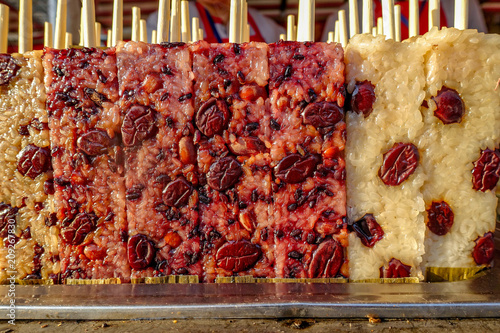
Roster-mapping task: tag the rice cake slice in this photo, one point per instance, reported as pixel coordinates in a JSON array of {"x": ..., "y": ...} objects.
[
  {"x": 84, "y": 121},
  {"x": 307, "y": 128},
  {"x": 389, "y": 242},
  {"x": 462, "y": 70},
  {"x": 26, "y": 193},
  {"x": 156, "y": 99}
]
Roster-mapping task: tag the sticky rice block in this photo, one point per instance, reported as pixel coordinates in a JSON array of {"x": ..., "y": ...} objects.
[
  {"x": 307, "y": 128},
  {"x": 469, "y": 63},
  {"x": 156, "y": 101},
  {"x": 84, "y": 121},
  {"x": 25, "y": 180},
  {"x": 396, "y": 71},
  {"x": 236, "y": 230}
]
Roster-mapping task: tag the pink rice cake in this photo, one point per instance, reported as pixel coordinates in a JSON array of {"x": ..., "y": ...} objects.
[
  {"x": 84, "y": 122},
  {"x": 235, "y": 203},
  {"x": 231, "y": 94},
  {"x": 156, "y": 91},
  {"x": 306, "y": 92}
]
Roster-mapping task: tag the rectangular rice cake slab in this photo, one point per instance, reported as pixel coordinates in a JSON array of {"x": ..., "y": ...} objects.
[
  {"x": 385, "y": 206},
  {"x": 460, "y": 151},
  {"x": 306, "y": 96},
  {"x": 26, "y": 198},
  {"x": 232, "y": 122},
  {"x": 84, "y": 122},
  {"x": 156, "y": 101}
]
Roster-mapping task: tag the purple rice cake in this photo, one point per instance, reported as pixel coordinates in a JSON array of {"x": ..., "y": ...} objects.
[{"x": 84, "y": 121}]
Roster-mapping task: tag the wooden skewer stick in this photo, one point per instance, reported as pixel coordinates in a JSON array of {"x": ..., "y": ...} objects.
[
  {"x": 68, "y": 41},
  {"x": 282, "y": 36},
  {"x": 374, "y": 31},
  {"x": 380, "y": 26},
  {"x": 109, "y": 40},
  {"x": 306, "y": 21},
  {"x": 25, "y": 26},
  {"x": 290, "y": 28},
  {"x": 163, "y": 26},
  {"x": 98, "y": 34},
  {"x": 47, "y": 35},
  {"x": 234, "y": 14},
  {"x": 331, "y": 37},
  {"x": 336, "y": 37},
  {"x": 60, "y": 33},
  {"x": 388, "y": 18},
  {"x": 175, "y": 22},
  {"x": 195, "y": 29},
  {"x": 89, "y": 23},
  {"x": 201, "y": 34},
  {"x": 397, "y": 23},
  {"x": 185, "y": 22},
  {"x": 461, "y": 14},
  {"x": 342, "y": 28},
  {"x": 353, "y": 18},
  {"x": 244, "y": 21},
  {"x": 154, "y": 37},
  {"x": 433, "y": 13},
  {"x": 82, "y": 19},
  {"x": 117, "y": 26},
  {"x": 367, "y": 16},
  {"x": 136, "y": 24},
  {"x": 413, "y": 23},
  {"x": 4, "y": 28},
  {"x": 143, "y": 31},
  {"x": 247, "y": 33}
]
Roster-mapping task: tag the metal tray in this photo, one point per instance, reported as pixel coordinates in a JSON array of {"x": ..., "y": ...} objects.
[{"x": 479, "y": 298}]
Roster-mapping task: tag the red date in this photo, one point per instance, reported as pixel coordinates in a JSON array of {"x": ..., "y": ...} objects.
[
  {"x": 33, "y": 161},
  {"x": 177, "y": 193},
  {"x": 212, "y": 117},
  {"x": 78, "y": 229},
  {"x": 486, "y": 171},
  {"x": 323, "y": 114},
  {"x": 141, "y": 251},
  {"x": 368, "y": 230},
  {"x": 224, "y": 173},
  {"x": 363, "y": 98},
  {"x": 440, "y": 218},
  {"x": 395, "y": 269},
  {"x": 399, "y": 163},
  {"x": 295, "y": 168},
  {"x": 139, "y": 124},
  {"x": 8, "y": 69},
  {"x": 449, "y": 106},
  {"x": 94, "y": 143},
  {"x": 326, "y": 260},
  {"x": 237, "y": 256},
  {"x": 484, "y": 249}
]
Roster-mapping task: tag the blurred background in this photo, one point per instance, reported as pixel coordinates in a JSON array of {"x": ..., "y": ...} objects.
[{"x": 45, "y": 10}]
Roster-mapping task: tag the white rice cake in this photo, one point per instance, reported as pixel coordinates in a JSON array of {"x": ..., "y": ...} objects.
[
  {"x": 469, "y": 63},
  {"x": 397, "y": 73}
]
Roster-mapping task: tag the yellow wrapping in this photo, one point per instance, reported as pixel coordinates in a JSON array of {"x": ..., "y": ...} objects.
[{"x": 452, "y": 274}]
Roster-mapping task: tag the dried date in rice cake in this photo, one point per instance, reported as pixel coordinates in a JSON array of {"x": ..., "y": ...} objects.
[
  {"x": 384, "y": 177},
  {"x": 235, "y": 209},
  {"x": 230, "y": 94},
  {"x": 84, "y": 121},
  {"x": 25, "y": 172},
  {"x": 460, "y": 149}
]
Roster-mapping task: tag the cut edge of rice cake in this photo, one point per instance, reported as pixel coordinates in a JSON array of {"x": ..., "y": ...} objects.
[
  {"x": 467, "y": 62},
  {"x": 396, "y": 72}
]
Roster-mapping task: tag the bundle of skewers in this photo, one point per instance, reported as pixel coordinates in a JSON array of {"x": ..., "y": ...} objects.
[{"x": 180, "y": 161}]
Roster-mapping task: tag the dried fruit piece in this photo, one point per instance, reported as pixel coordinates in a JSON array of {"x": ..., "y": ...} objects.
[
  {"x": 486, "y": 171},
  {"x": 8, "y": 69},
  {"x": 138, "y": 125},
  {"x": 323, "y": 114},
  {"x": 94, "y": 143},
  {"x": 75, "y": 232},
  {"x": 237, "y": 256},
  {"x": 173, "y": 239},
  {"x": 7, "y": 216},
  {"x": 187, "y": 151},
  {"x": 363, "y": 98},
  {"x": 326, "y": 260},
  {"x": 95, "y": 96},
  {"x": 295, "y": 168},
  {"x": 224, "y": 173},
  {"x": 141, "y": 251},
  {"x": 212, "y": 117},
  {"x": 395, "y": 269},
  {"x": 449, "y": 106},
  {"x": 440, "y": 218},
  {"x": 484, "y": 249},
  {"x": 33, "y": 161},
  {"x": 177, "y": 193},
  {"x": 247, "y": 146},
  {"x": 94, "y": 252},
  {"x": 368, "y": 230},
  {"x": 399, "y": 163}
]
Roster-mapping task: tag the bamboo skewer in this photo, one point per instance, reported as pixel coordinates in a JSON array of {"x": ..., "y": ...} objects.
[
  {"x": 109, "y": 40},
  {"x": 47, "y": 35},
  {"x": 413, "y": 23},
  {"x": 353, "y": 18},
  {"x": 375, "y": 31},
  {"x": 25, "y": 26},
  {"x": 136, "y": 24},
  {"x": 397, "y": 23},
  {"x": 380, "y": 26},
  {"x": 97, "y": 34},
  {"x": 331, "y": 37},
  {"x": 388, "y": 18},
  {"x": 461, "y": 14},
  {"x": 154, "y": 37},
  {"x": 163, "y": 26},
  {"x": 336, "y": 37},
  {"x": 143, "y": 31},
  {"x": 4, "y": 28},
  {"x": 82, "y": 19},
  {"x": 306, "y": 19},
  {"x": 185, "y": 22},
  {"x": 89, "y": 23},
  {"x": 195, "y": 29},
  {"x": 60, "y": 28},
  {"x": 342, "y": 28},
  {"x": 367, "y": 16},
  {"x": 68, "y": 41},
  {"x": 282, "y": 37},
  {"x": 434, "y": 14},
  {"x": 201, "y": 34},
  {"x": 175, "y": 22},
  {"x": 245, "y": 34},
  {"x": 117, "y": 26},
  {"x": 290, "y": 28},
  {"x": 234, "y": 26}
]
